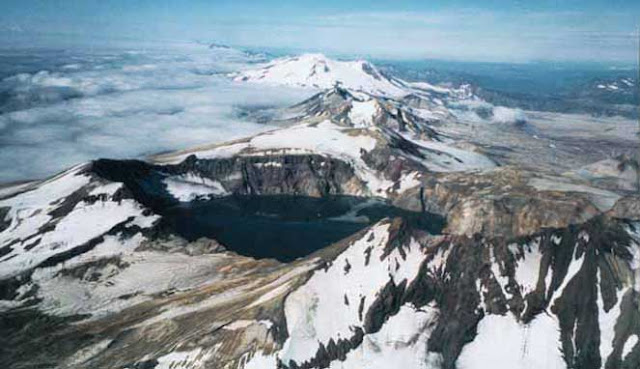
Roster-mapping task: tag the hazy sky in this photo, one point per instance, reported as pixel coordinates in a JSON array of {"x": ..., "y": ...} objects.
[{"x": 492, "y": 30}]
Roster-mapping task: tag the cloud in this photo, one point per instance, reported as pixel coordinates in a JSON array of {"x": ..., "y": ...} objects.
[
  {"x": 502, "y": 114},
  {"x": 123, "y": 105},
  {"x": 463, "y": 34},
  {"x": 487, "y": 31},
  {"x": 478, "y": 111}
]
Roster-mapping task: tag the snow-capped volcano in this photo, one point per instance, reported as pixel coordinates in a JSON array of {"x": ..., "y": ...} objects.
[
  {"x": 316, "y": 70},
  {"x": 363, "y": 81},
  {"x": 93, "y": 266},
  {"x": 366, "y": 231}
]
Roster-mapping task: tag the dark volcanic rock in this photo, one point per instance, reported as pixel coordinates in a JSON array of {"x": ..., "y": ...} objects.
[
  {"x": 306, "y": 175},
  {"x": 4, "y": 223}
]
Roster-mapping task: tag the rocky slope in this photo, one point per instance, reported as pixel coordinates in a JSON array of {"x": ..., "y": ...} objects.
[{"x": 364, "y": 234}]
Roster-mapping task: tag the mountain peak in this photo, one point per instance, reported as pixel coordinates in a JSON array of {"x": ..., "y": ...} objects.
[{"x": 319, "y": 71}]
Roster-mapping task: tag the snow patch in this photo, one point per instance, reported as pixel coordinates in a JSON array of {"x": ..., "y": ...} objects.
[
  {"x": 85, "y": 222},
  {"x": 442, "y": 157},
  {"x": 504, "y": 343},
  {"x": 528, "y": 268},
  {"x": 189, "y": 187},
  {"x": 194, "y": 359},
  {"x": 607, "y": 321},
  {"x": 632, "y": 341},
  {"x": 310, "y": 310},
  {"x": 362, "y": 113},
  {"x": 401, "y": 343},
  {"x": 574, "y": 267}
]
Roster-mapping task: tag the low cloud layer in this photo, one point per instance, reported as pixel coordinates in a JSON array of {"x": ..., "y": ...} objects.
[{"x": 122, "y": 104}]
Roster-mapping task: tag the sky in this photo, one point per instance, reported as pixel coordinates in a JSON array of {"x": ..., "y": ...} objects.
[{"x": 492, "y": 30}]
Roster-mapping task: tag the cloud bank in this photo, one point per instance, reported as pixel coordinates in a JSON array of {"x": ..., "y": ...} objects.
[{"x": 123, "y": 104}]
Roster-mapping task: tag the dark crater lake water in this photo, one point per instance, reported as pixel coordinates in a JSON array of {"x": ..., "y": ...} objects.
[{"x": 282, "y": 227}]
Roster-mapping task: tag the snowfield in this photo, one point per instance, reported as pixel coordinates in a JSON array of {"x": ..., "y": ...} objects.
[
  {"x": 190, "y": 187},
  {"x": 90, "y": 261},
  {"x": 318, "y": 71},
  {"x": 30, "y": 212},
  {"x": 504, "y": 343},
  {"x": 310, "y": 310}
]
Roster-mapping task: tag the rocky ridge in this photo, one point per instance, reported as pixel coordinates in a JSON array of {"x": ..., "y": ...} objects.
[{"x": 472, "y": 264}]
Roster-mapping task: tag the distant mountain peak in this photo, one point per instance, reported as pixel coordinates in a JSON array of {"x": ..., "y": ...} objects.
[{"x": 319, "y": 71}]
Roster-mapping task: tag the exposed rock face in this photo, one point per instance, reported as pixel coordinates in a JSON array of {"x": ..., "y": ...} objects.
[
  {"x": 498, "y": 202},
  {"x": 436, "y": 295},
  {"x": 527, "y": 270},
  {"x": 357, "y": 109},
  {"x": 3, "y": 223},
  {"x": 309, "y": 175},
  {"x": 569, "y": 277}
]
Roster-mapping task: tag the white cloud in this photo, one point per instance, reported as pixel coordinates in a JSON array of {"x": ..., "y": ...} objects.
[
  {"x": 124, "y": 105},
  {"x": 502, "y": 114},
  {"x": 523, "y": 31},
  {"x": 463, "y": 34}
]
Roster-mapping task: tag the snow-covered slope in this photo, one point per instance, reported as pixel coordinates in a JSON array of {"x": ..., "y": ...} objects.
[
  {"x": 445, "y": 303},
  {"x": 449, "y": 261},
  {"x": 361, "y": 82},
  {"x": 50, "y": 221},
  {"x": 384, "y": 162},
  {"x": 413, "y": 114},
  {"x": 318, "y": 71},
  {"x": 96, "y": 262}
]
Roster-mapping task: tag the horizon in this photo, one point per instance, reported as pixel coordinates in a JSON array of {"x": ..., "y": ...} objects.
[
  {"x": 130, "y": 46},
  {"x": 499, "y": 31}
]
